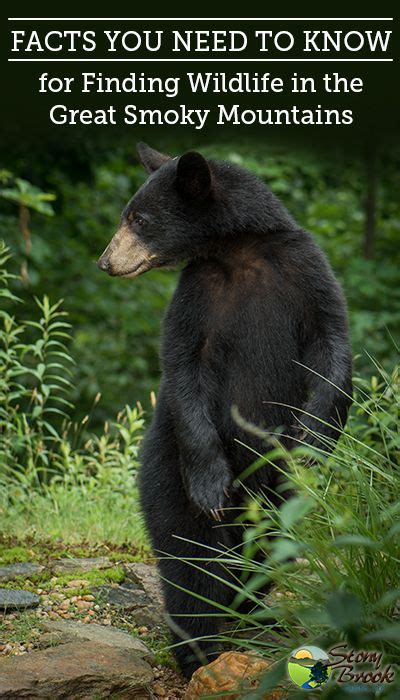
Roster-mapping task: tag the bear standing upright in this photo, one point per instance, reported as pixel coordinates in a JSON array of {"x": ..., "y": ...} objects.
[{"x": 257, "y": 321}]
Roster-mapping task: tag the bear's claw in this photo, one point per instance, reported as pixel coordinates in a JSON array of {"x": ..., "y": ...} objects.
[{"x": 215, "y": 512}]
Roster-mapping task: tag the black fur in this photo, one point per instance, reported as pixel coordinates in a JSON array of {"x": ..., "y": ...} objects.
[{"x": 256, "y": 302}]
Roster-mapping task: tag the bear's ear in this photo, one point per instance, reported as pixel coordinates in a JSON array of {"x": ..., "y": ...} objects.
[
  {"x": 193, "y": 176},
  {"x": 151, "y": 159}
]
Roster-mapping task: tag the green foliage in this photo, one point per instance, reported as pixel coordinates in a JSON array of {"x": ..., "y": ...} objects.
[
  {"x": 10, "y": 555},
  {"x": 51, "y": 469},
  {"x": 23, "y": 193}
]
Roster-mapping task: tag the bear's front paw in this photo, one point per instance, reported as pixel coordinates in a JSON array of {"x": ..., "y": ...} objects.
[{"x": 209, "y": 489}]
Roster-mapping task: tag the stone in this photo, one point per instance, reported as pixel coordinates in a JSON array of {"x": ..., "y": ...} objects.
[
  {"x": 19, "y": 570},
  {"x": 70, "y": 565},
  {"x": 148, "y": 616},
  {"x": 79, "y": 670},
  {"x": 232, "y": 675},
  {"x": 11, "y": 599},
  {"x": 132, "y": 600},
  {"x": 147, "y": 577},
  {"x": 78, "y": 583},
  {"x": 130, "y": 586},
  {"x": 63, "y": 631},
  {"x": 121, "y": 597}
]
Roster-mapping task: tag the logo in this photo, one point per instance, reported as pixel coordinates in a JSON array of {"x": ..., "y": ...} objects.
[
  {"x": 309, "y": 667},
  {"x": 360, "y": 666}
]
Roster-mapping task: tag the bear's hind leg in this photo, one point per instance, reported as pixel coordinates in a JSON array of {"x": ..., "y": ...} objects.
[
  {"x": 193, "y": 595},
  {"x": 175, "y": 527}
]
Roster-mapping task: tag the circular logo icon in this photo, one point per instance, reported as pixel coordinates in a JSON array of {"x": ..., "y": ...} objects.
[{"x": 309, "y": 667}]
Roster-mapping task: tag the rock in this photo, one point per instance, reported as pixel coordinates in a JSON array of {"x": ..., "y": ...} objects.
[
  {"x": 16, "y": 599},
  {"x": 78, "y": 583},
  {"x": 232, "y": 674},
  {"x": 132, "y": 600},
  {"x": 147, "y": 577},
  {"x": 121, "y": 597},
  {"x": 148, "y": 616},
  {"x": 63, "y": 631},
  {"x": 68, "y": 566},
  {"x": 21, "y": 569},
  {"x": 130, "y": 586},
  {"x": 79, "y": 670}
]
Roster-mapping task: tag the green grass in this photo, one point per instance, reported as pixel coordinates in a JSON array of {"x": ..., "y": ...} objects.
[
  {"x": 44, "y": 551},
  {"x": 72, "y": 516}
]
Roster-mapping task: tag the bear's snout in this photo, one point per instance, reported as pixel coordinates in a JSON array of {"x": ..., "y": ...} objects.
[
  {"x": 103, "y": 263},
  {"x": 126, "y": 255}
]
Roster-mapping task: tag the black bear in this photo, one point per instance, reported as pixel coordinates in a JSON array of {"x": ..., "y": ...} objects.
[{"x": 258, "y": 322}]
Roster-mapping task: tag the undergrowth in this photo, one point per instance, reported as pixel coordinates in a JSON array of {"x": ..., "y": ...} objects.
[{"x": 58, "y": 481}]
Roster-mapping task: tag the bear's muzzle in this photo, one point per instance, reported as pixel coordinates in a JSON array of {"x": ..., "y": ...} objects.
[{"x": 126, "y": 255}]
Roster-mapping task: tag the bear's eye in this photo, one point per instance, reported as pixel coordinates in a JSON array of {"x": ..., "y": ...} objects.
[{"x": 139, "y": 220}]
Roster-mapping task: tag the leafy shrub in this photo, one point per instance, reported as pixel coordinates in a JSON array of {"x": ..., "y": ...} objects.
[{"x": 44, "y": 457}]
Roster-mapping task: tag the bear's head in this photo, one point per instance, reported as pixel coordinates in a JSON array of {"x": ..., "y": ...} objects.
[{"x": 168, "y": 218}]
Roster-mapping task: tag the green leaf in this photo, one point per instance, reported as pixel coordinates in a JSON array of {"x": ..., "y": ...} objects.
[
  {"x": 37, "y": 411},
  {"x": 25, "y": 194},
  {"x": 345, "y": 611},
  {"x": 284, "y": 549},
  {"x": 391, "y": 633},
  {"x": 40, "y": 369},
  {"x": 294, "y": 510},
  {"x": 394, "y": 530}
]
